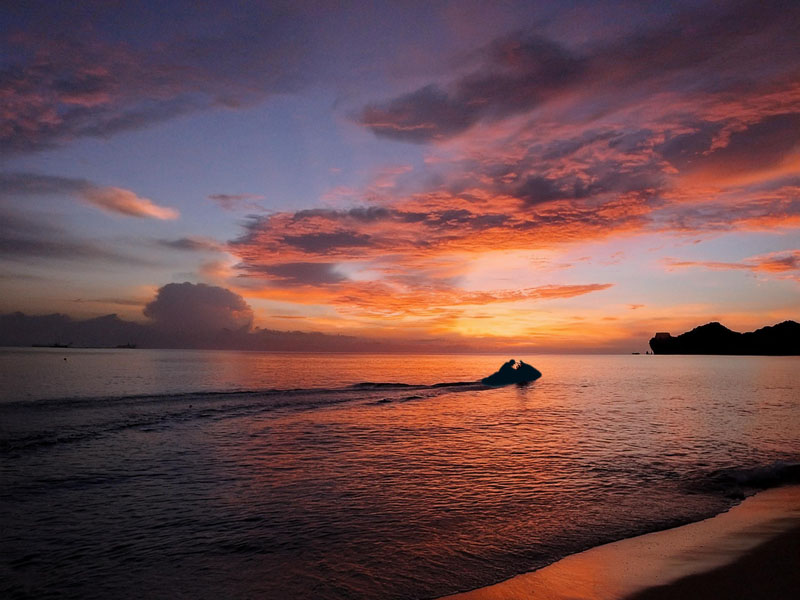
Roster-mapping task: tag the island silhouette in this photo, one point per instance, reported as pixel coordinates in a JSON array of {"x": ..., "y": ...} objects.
[{"x": 782, "y": 339}]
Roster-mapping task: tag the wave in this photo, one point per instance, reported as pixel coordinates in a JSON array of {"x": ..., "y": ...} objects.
[
  {"x": 73, "y": 420},
  {"x": 760, "y": 477},
  {"x": 75, "y": 401},
  {"x": 739, "y": 482},
  {"x": 371, "y": 385}
]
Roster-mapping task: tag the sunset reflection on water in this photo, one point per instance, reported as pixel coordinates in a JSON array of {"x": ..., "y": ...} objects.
[{"x": 334, "y": 491}]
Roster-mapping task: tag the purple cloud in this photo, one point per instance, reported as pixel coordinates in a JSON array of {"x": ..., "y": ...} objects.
[
  {"x": 60, "y": 81},
  {"x": 704, "y": 51}
]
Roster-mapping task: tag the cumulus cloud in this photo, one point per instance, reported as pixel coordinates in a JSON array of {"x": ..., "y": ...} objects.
[
  {"x": 188, "y": 307},
  {"x": 112, "y": 200}
]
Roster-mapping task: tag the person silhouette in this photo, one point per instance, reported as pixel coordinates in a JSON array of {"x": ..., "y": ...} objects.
[{"x": 512, "y": 372}]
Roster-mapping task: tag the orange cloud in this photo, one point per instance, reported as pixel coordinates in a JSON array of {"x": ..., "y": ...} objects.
[
  {"x": 669, "y": 131},
  {"x": 124, "y": 202}
]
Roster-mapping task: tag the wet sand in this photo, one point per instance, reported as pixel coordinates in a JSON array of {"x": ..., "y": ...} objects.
[
  {"x": 772, "y": 570},
  {"x": 750, "y": 551}
]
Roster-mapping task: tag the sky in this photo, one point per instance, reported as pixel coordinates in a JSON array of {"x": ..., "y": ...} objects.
[{"x": 562, "y": 176}]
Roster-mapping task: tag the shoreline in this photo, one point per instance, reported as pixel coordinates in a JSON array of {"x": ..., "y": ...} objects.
[{"x": 751, "y": 544}]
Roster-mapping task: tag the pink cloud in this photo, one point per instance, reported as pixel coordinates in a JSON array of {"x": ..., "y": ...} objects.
[
  {"x": 784, "y": 264},
  {"x": 124, "y": 202},
  {"x": 111, "y": 199}
]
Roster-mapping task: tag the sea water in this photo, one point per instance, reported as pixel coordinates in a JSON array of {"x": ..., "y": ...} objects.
[{"x": 199, "y": 474}]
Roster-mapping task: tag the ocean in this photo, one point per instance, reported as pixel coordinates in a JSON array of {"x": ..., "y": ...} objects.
[{"x": 205, "y": 474}]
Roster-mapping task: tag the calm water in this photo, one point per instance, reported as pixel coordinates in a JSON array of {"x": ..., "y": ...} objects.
[{"x": 167, "y": 474}]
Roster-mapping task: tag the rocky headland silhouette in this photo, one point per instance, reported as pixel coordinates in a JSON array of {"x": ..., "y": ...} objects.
[{"x": 782, "y": 339}]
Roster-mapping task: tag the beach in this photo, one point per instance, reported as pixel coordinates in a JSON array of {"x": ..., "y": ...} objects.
[
  {"x": 750, "y": 551},
  {"x": 768, "y": 571}
]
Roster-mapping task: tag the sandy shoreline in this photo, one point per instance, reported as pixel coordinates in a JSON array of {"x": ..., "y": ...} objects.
[
  {"x": 771, "y": 570},
  {"x": 752, "y": 550}
]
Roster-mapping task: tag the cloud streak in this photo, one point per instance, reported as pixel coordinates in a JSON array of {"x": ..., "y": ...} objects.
[
  {"x": 192, "y": 244},
  {"x": 113, "y": 200},
  {"x": 25, "y": 237},
  {"x": 124, "y": 202},
  {"x": 783, "y": 264},
  {"x": 235, "y": 202}
]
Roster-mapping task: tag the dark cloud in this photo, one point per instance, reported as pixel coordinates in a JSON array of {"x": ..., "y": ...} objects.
[
  {"x": 63, "y": 78},
  {"x": 761, "y": 145},
  {"x": 711, "y": 50},
  {"x": 319, "y": 233},
  {"x": 26, "y": 237},
  {"x": 536, "y": 180},
  {"x": 759, "y": 214},
  {"x": 191, "y": 244},
  {"x": 757, "y": 146},
  {"x": 684, "y": 150},
  {"x": 18, "y": 329},
  {"x": 361, "y": 214},
  {"x": 35, "y": 184},
  {"x": 537, "y": 190},
  {"x": 64, "y": 249},
  {"x": 520, "y": 74},
  {"x": 563, "y": 148},
  {"x": 235, "y": 202},
  {"x": 324, "y": 242},
  {"x": 299, "y": 273},
  {"x": 189, "y": 307}
]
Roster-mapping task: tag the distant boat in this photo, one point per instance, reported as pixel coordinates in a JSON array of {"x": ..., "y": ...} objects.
[
  {"x": 128, "y": 346},
  {"x": 53, "y": 345}
]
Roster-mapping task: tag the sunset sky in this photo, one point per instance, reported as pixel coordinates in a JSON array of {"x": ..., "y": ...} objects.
[{"x": 558, "y": 175}]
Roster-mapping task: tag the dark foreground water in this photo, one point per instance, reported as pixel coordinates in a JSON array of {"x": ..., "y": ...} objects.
[{"x": 126, "y": 474}]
